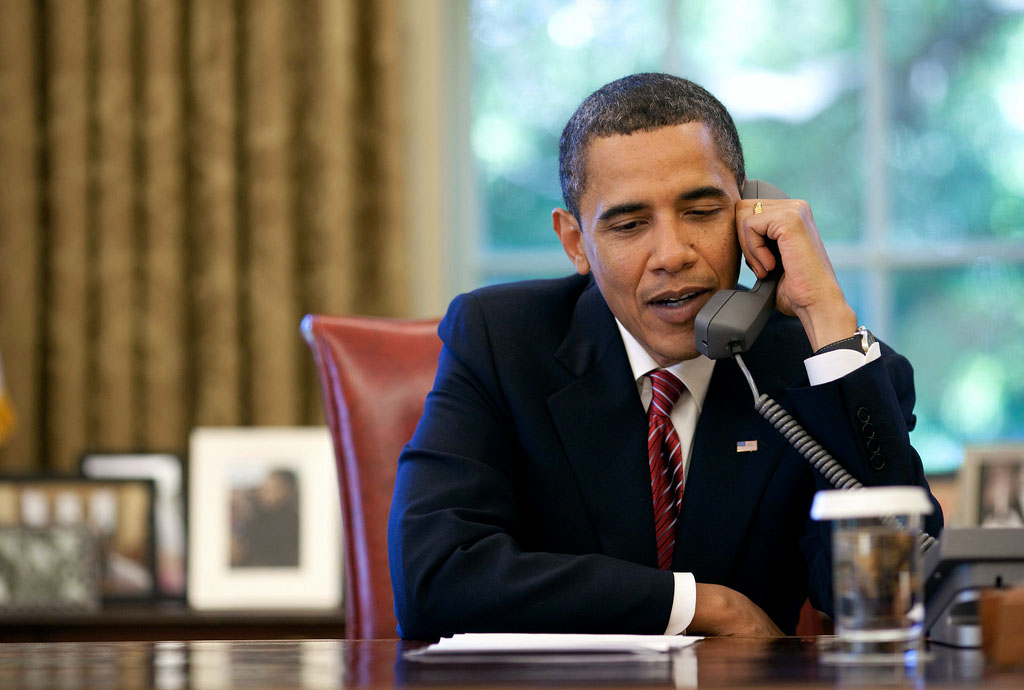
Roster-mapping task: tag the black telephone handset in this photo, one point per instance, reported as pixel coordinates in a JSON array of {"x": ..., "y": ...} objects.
[{"x": 732, "y": 319}]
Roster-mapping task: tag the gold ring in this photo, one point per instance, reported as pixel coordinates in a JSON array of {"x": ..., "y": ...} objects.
[{"x": 758, "y": 208}]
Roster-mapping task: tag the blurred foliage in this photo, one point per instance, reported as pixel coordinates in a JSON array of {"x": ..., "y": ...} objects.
[
  {"x": 963, "y": 330},
  {"x": 956, "y": 142},
  {"x": 794, "y": 74}
]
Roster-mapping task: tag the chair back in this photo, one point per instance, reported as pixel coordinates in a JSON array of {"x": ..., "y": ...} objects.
[{"x": 374, "y": 376}]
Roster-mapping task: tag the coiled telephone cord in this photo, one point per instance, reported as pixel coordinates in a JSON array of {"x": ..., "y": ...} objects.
[{"x": 802, "y": 441}]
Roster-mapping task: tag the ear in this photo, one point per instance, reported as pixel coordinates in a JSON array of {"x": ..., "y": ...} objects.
[{"x": 571, "y": 237}]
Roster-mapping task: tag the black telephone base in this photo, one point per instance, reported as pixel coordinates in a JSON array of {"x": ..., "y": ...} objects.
[{"x": 963, "y": 562}]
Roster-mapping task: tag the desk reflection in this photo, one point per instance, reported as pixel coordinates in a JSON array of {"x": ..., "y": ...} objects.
[
  {"x": 323, "y": 664},
  {"x": 177, "y": 665}
]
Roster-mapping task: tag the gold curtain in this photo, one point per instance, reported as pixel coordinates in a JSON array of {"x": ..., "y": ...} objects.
[{"x": 180, "y": 181}]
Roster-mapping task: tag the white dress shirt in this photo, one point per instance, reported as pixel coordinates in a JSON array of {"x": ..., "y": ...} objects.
[{"x": 696, "y": 376}]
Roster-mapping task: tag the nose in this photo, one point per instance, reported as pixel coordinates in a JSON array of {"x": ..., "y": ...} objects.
[{"x": 672, "y": 247}]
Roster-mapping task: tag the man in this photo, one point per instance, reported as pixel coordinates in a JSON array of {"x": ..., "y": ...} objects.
[
  {"x": 528, "y": 498},
  {"x": 268, "y": 536}
]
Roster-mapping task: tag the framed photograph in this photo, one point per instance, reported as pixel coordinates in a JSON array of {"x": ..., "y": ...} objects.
[
  {"x": 264, "y": 519},
  {"x": 992, "y": 486},
  {"x": 117, "y": 512},
  {"x": 166, "y": 470},
  {"x": 48, "y": 569}
]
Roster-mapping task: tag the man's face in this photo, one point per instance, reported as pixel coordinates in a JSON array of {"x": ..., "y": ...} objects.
[
  {"x": 658, "y": 232},
  {"x": 273, "y": 491}
]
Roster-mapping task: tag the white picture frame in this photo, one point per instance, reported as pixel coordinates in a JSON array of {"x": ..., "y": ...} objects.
[
  {"x": 231, "y": 472},
  {"x": 992, "y": 485}
]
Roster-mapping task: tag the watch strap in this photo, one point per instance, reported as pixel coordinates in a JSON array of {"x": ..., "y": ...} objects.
[{"x": 859, "y": 341}]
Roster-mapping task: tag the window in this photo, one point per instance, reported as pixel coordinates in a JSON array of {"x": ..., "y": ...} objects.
[{"x": 901, "y": 122}]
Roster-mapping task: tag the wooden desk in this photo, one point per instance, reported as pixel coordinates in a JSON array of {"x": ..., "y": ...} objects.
[{"x": 720, "y": 662}]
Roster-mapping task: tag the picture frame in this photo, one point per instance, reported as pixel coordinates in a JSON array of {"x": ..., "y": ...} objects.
[
  {"x": 61, "y": 576},
  {"x": 264, "y": 519},
  {"x": 118, "y": 513},
  {"x": 992, "y": 485},
  {"x": 167, "y": 471}
]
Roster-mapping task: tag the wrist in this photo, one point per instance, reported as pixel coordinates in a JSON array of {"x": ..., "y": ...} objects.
[
  {"x": 827, "y": 325},
  {"x": 709, "y": 609}
]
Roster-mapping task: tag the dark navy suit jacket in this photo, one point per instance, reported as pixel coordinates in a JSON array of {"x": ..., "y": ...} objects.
[{"x": 523, "y": 501}]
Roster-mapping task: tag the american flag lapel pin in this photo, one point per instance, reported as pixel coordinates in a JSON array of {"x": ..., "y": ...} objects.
[{"x": 746, "y": 446}]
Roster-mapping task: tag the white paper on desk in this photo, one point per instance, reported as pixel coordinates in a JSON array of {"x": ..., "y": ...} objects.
[{"x": 507, "y": 644}]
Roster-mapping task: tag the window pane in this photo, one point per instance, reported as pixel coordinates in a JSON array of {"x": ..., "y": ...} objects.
[
  {"x": 956, "y": 148},
  {"x": 796, "y": 102},
  {"x": 533, "y": 61},
  {"x": 791, "y": 74},
  {"x": 963, "y": 330}
]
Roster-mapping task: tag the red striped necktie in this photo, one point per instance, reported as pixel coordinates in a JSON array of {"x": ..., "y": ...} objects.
[{"x": 666, "y": 460}]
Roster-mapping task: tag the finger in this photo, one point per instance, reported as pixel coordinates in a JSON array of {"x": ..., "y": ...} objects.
[
  {"x": 741, "y": 236},
  {"x": 752, "y": 229},
  {"x": 765, "y": 255},
  {"x": 766, "y": 226},
  {"x": 744, "y": 211}
]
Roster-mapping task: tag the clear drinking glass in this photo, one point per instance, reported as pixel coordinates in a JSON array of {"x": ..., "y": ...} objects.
[{"x": 876, "y": 570}]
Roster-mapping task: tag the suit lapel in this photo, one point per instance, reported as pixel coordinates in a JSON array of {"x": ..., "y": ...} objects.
[
  {"x": 723, "y": 486},
  {"x": 603, "y": 429}
]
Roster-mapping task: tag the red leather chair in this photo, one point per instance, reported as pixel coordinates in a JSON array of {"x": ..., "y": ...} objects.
[{"x": 374, "y": 375}]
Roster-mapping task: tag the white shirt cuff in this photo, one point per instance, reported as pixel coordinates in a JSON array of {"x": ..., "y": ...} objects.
[
  {"x": 829, "y": 366},
  {"x": 684, "y": 602}
]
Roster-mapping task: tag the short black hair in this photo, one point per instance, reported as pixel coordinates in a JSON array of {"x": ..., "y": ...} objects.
[
  {"x": 642, "y": 102},
  {"x": 286, "y": 476}
]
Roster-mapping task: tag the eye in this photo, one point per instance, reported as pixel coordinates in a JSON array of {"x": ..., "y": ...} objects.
[
  {"x": 704, "y": 212},
  {"x": 628, "y": 226}
]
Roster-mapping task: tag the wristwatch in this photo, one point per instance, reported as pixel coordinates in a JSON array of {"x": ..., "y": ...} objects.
[{"x": 859, "y": 341}]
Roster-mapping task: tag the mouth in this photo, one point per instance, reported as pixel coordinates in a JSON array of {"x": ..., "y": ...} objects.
[
  {"x": 680, "y": 306},
  {"x": 675, "y": 301}
]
